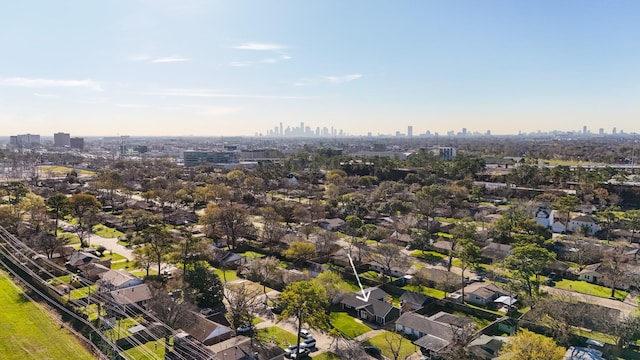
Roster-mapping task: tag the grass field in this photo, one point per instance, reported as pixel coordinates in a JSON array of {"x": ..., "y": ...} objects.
[
  {"x": 280, "y": 337},
  {"x": 382, "y": 341},
  {"x": 584, "y": 287},
  {"x": 106, "y": 232},
  {"x": 428, "y": 256},
  {"x": 347, "y": 325},
  {"x": 230, "y": 274},
  {"x": 27, "y": 332},
  {"x": 62, "y": 171}
]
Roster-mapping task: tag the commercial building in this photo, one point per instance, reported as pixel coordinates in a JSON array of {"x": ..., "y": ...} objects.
[
  {"x": 61, "y": 139},
  {"x": 25, "y": 140},
  {"x": 77, "y": 143},
  {"x": 194, "y": 158}
]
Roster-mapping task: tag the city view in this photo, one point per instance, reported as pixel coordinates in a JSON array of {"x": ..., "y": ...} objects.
[{"x": 208, "y": 180}]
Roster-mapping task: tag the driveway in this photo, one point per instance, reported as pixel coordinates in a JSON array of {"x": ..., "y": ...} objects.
[
  {"x": 108, "y": 243},
  {"x": 625, "y": 307}
]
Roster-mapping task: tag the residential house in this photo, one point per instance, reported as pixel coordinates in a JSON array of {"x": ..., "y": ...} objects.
[
  {"x": 433, "y": 333},
  {"x": 204, "y": 330},
  {"x": 480, "y": 293},
  {"x": 244, "y": 348},
  {"x": 544, "y": 217},
  {"x": 132, "y": 297},
  {"x": 411, "y": 301},
  {"x": 496, "y": 252},
  {"x": 80, "y": 258},
  {"x": 558, "y": 227},
  {"x": 226, "y": 259},
  {"x": 94, "y": 270},
  {"x": 114, "y": 280},
  {"x": 376, "y": 309},
  {"x": 486, "y": 347},
  {"x": 578, "y": 223},
  {"x": 400, "y": 239},
  {"x": 399, "y": 269},
  {"x": 591, "y": 274},
  {"x": 582, "y": 353},
  {"x": 333, "y": 224}
]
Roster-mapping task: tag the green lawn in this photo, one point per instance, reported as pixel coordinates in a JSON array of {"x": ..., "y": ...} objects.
[
  {"x": 274, "y": 334},
  {"x": 142, "y": 351},
  {"x": 106, "y": 231},
  {"x": 438, "y": 294},
  {"x": 230, "y": 274},
  {"x": 27, "y": 332},
  {"x": 347, "y": 325},
  {"x": 83, "y": 292},
  {"x": 113, "y": 256},
  {"x": 69, "y": 238},
  {"x": 126, "y": 265},
  {"x": 584, "y": 287},
  {"x": 327, "y": 356},
  {"x": 251, "y": 255},
  {"x": 382, "y": 341},
  {"x": 56, "y": 170},
  {"x": 428, "y": 256}
]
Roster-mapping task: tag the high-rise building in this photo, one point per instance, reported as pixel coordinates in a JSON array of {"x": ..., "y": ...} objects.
[
  {"x": 584, "y": 130},
  {"x": 61, "y": 139},
  {"x": 25, "y": 140},
  {"x": 601, "y": 131},
  {"x": 464, "y": 131},
  {"x": 613, "y": 131},
  {"x": 76, "y": 143},
  {"x": 409, "y": 131}
]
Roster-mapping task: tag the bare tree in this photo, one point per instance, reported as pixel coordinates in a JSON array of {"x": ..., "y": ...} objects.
[
  {"x": 394, "y": 342},
  {"x": 242, "y": 303},
  {"x": 387, "y": 256},
  {"x": 167, "y": 308}
]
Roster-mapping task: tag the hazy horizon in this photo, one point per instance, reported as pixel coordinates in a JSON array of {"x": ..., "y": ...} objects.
[{"x": 239, "y": 68}]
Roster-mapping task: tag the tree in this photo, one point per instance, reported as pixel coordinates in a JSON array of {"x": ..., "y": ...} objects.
[
  {"x": 526, "y": 262},
  {"x": 205, "y": 286},
  {"x": 170, "y": 310},
  {"x": 300, "y": 250},
  {"x": 159, "y": 241},
  {"x": 387, "y": 256},
  {"x": 140, "y": 219},
  {"x": 633, "y": 222},
  {"x": 263, "y": 270},
  {"x": 566, "y": 204},
  {"x": 609, "y": 217},
  {"x": 143, "y": 257},
  {"x": 84, "y": 207},
  {"x": 307, "y": 303},
  {"x": 464, "y": 230},
  {"x": 232, "y": 220},
  {"x": 58, "y": 207},
  {"x": 613, "y": 268},
  {"x": 272, "y": 229},
  {"x": 334, "y": 285},
  {"x": 394, "y": 343},
  {"x": 626, "y": 331},
  {"x": 241, "y": 303},
  {"x": 527, "y": 345},
  {"x": 190, "y": 249},
  {"x": 469, "y": 256}
]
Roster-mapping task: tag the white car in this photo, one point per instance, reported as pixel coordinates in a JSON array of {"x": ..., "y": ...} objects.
[
  {"x": 305, "y": 334},
  {"x": 245, "y": 328},
  {"x": 309, "y": 343}
]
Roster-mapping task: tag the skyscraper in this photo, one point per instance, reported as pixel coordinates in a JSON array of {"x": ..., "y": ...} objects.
[{"x": 409, "y": 131}]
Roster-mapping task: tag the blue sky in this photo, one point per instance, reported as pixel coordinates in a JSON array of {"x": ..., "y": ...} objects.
[{"x": 200, "y": 67}]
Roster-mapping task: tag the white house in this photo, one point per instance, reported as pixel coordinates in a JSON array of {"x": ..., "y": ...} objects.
[
  {"x": 584, "y": 222},
  {"x": 544, "y": 217},
  {"x": 558, "y": 227}
]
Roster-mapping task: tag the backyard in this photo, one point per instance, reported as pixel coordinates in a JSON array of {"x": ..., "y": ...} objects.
[{"x": 387, "y": 340}]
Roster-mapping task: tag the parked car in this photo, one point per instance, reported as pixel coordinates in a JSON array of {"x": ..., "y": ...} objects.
[
  {"x": 309, "y": 343},
  {"x": 276, "y": 309},
  {"x": 206, "y": 311},
  {"x": 302, "y": 354},
  {"x": 305, "y": 334},
  {"x": 290, "y": 349},
  {"x": 373, "y": 350},
  {"x": 245, "y": 328}
]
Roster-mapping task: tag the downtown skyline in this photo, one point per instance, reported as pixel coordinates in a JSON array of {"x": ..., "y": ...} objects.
[{"x": 205, "y": 68}]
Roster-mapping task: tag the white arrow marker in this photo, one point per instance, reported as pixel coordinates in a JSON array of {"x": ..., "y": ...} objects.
[{"x": 365, "y": 296}]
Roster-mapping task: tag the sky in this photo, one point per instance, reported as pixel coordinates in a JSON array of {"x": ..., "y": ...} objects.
[{"x": 237, "y": 67}]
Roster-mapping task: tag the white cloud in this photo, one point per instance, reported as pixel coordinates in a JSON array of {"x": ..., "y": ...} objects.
[
  {"x": 50, "y": 83},
  {"x": 207, "y": 93},
  {"x": 335, "y": 80},
  {"x": 342, "y": 79},
  {"x": 260, "y": 47},
  {"x": 169, "y": 59}
]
